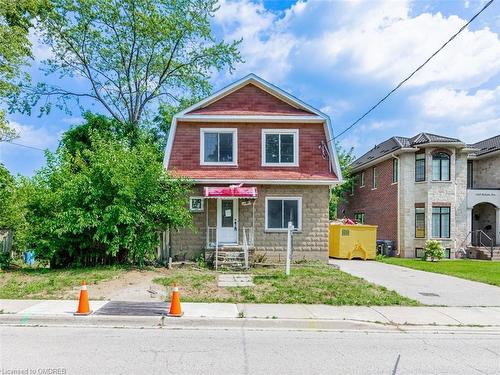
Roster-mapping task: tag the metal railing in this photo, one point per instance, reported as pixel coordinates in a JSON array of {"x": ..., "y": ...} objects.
[{"x": 477, "y": 239}]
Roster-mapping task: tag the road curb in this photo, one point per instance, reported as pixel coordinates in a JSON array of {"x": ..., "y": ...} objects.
[{"x": 156, "y": 322}]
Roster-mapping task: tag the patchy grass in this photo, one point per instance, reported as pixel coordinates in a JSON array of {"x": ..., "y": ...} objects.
[
  {"x": 44, "y": 283},
  {"x": 310, "y": 284},
  {"x": 484, "y": 271}
]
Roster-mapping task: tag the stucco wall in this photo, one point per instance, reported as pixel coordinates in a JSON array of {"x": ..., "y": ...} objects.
[{"x": 310, "y": 243}]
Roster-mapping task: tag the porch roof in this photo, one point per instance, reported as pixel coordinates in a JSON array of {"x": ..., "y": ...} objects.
[{"x": 230, "y": 191}]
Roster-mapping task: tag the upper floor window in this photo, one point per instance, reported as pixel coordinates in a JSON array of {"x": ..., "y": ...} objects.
[
  {"x": 440, "y": 166},
  {"x": 362, "y": 179},
  {"x": 470, "y": 174},
  {"x": 395, "y": 170},
  {"x": 420, "y": 167},
  {"x": 374, "y": 178},
  {"x": 218, "y": 146},
  {"x": 280, "y": 147}
]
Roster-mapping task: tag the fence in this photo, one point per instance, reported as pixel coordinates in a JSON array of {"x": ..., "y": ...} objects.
[{"x": 5, "y": 241}]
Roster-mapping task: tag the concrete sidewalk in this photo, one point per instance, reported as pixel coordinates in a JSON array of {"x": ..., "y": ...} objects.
[
  {"x": 17, "y": 310},
  {"x": 426, "y": 287}
]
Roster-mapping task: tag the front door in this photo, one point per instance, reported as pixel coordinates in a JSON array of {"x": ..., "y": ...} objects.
[{"x": 227, "y": 221}]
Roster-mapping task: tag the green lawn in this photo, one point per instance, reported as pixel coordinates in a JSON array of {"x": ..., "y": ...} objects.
[
  {"x": 309, "y": 284},
  {"x": 478, "y": 270},
  {"x": 44, "y": 283}
]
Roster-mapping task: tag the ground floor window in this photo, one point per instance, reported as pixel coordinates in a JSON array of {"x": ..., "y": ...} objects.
[
  {"x": 359, "y": 217},
  {"x": 196, "y": 204},
  {"x": 441, "y": 222},
  {"x": 279, "y": 211},
  {"x": 420, "y": 222}
]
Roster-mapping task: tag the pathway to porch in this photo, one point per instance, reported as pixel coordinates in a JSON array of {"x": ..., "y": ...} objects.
[{"x": 426, "y": 287}]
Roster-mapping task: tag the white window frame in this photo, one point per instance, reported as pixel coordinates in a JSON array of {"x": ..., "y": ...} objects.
[
  {"x": 299, "y": 213},
  {"x": 196, "y": 209},
  {"x": 362, "y": 179},
  {"x": 233, "y": 131},
  {"x": 295, "y": 133}
]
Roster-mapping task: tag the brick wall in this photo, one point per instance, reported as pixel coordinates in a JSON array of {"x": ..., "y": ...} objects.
[
  {"x": 379, "y": 205},
  {"x": 310, "y": 243},
  {"x": 185, "y": 153},
  {"x": 250, "y": 100}
]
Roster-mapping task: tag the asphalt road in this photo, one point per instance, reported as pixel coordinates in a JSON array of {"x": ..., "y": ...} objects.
[{"x": 237, "y": 351}]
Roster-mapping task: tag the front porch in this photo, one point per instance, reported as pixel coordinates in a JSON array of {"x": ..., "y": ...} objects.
[{"x": 230, "y": 225}]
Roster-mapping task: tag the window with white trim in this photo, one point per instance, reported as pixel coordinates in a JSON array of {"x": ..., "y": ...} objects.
[
  {"x": 218, "y": 146},
  {"x": 196, "y": 204},
  {"x": 281, "y": 210},
  {"x": 280, "y": 147}
]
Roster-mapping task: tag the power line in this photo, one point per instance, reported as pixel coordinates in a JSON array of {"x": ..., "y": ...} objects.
[
  {"x": 413, "y": 73},
  {"x": 26, "y": 146}
]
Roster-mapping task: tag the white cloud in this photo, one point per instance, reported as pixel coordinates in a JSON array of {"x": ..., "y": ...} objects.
[
  {"x": 479, "y": 130},
  {"x": 460, "y": 105},
  {"x": 265, "y": 48},
  {"x": 73, "y": 120},
  {"x": 36, "y": 136},
  {"x": 40, "y": 51}
]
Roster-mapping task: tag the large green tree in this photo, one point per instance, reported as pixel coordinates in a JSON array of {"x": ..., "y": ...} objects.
[
  {"x": 102, "y": 198},
  {"x": 337, "y": 194},
  {"x": 134, "y": 54},
  {"x": 16, "y": 19}
]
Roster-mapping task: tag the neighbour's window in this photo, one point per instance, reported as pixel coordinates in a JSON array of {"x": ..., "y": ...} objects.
[
  {"x": 440, "y": 166},
  {"x": 362, "y": 179},
  {"x": 218, "y": 146},
  {"x": 420, "y": 223},
  {"x": 196, "y": 204},
  {"x": 420, "y": 167},
  {"x": 447, "y": 253},
  {"x": 419, "y": 252},
  {"x": 441, "y": 222},
  {"x": 374, "y": 178},
  {"x": 279, "y": 211},
  {"x": 280, "y": 147},
  {"x": 470, "y": 174},
  {"x": 359, "y": 217},
  {"x": 395, "y": 171}
]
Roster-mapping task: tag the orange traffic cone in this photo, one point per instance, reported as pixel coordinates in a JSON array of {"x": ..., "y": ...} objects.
[
  {"x": 175, "y": 302},
  {"x": 83, "y": 303}
]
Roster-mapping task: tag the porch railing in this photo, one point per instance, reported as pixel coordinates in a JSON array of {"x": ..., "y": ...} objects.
[
  {"x": 479, "y": 238},
  {"x": 211, "y": 237}
]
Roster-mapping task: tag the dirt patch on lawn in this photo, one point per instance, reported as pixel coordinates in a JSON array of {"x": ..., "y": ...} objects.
[{"x": 134, "y": 285}]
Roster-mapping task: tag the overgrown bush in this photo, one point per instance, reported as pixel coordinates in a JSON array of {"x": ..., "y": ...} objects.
[
  {"x": 103, "y": 202},
  {"x": 433, "y": 250}
]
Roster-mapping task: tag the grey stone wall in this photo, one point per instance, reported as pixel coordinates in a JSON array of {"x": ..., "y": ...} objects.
[
  {"x": 486, "y": 172},
  {"x": 429, "y": 193},
  {"x": 310, "y": 243}
]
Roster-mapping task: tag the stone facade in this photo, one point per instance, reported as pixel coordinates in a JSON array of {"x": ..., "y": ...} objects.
[
  {"x": 486, "y": 172},
  {"x": 428, "y": 194},
  {"x": 309, "y": 243}
]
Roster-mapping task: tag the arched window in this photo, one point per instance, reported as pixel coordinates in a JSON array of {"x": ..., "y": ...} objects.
[{"x": 441, "y": 166}]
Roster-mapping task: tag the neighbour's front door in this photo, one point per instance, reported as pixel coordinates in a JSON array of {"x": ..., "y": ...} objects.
[{"x": 227, "y": 220}]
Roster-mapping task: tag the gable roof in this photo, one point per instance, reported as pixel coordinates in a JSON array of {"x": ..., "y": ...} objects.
[
  {"x": 487, "y": 146},
  {"x": 307, "y": 114},
  {"x": 396, "y": 143},
  {"x": 250, "y": 99}
]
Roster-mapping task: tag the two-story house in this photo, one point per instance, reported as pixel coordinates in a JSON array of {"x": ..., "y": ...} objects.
[
  {"x": 420, "y": 188},
  {"x": 259, "y": 158}
]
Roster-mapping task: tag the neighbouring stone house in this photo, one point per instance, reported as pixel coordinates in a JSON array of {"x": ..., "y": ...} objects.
[
  {"x": 429, "y": 187},
  {"x": 259, "y": 158}
]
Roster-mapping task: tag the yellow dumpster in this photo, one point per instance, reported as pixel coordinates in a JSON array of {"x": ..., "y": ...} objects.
[{"x": 352, "y": 241}]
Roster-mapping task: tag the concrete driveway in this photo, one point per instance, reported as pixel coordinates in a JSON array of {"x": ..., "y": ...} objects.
[{"x": 427, "y": 287}]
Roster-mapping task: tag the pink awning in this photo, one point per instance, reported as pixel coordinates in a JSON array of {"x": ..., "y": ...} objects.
[{"x": 230, "y": 191}]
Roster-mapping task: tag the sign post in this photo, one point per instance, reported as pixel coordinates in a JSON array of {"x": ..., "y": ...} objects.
[{"x": 289, "y": 248}]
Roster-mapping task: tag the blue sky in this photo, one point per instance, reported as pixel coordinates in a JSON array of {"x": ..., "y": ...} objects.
[{"x": 341, "y": 57}]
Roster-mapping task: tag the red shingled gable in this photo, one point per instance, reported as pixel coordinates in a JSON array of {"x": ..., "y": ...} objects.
[
  {"x": 185, "y": 159},
  {"x": 250, "y": 100}
]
